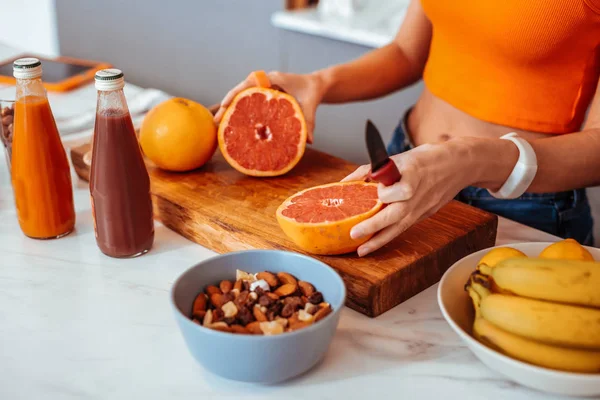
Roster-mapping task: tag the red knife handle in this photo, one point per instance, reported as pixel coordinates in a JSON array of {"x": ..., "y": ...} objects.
[{"x": 388, "y": 174}]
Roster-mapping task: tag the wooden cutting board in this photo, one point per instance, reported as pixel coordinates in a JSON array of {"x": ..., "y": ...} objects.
[{"x": 224, "y": 210}]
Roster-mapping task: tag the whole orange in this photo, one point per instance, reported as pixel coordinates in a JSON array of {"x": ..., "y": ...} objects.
[{"x": 178, "y": 135}]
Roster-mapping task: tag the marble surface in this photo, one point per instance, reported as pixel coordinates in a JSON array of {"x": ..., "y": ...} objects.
[
  {"x": 309, "y": 22},
  {"x": 75, "y": 324}
]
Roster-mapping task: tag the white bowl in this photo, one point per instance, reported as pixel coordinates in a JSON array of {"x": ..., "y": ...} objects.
[{"x": 457, "y": 309}]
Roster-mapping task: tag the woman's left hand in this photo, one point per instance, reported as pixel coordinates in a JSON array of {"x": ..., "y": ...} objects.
[{"x": 432, "y": 175}]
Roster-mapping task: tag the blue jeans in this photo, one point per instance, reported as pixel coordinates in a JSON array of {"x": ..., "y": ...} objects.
[{"x": 563, "y": 214}]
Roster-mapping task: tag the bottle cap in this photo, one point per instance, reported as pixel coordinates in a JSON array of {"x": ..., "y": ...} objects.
[
  {"x": 27, "y": 68},
  {"x": 109, "y": 79}
]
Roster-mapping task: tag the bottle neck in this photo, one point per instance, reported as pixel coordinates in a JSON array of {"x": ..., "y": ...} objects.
[
  {"x": 111, "y": 102},
  {"x": 30, "y": 87}
]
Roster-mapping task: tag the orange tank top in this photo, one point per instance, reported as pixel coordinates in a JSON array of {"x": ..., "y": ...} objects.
[{"x": 528, "y": 64}]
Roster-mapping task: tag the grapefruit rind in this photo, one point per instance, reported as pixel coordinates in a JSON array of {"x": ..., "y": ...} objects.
[
  {"x": 325, "y": 238},
  {"x": 269, "y": 93},
  {"x": 261, "y": 79}
]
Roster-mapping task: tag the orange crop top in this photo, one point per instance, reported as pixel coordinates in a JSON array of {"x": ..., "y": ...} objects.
[{"x": 528, "y": 64}]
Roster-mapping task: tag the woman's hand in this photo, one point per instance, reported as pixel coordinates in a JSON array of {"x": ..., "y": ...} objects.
[
  {"x": 306, "y": 89},
  {"x": 432, "y": 174}
]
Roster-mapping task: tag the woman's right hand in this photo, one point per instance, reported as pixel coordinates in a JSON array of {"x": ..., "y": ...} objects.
[{"x": 306, "y": 89}]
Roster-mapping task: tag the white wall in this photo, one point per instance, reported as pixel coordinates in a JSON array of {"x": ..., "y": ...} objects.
[{"x": 29, "y": 25}]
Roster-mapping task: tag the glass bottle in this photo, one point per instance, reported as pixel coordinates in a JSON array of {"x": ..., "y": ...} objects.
[
  {"x": 40, "y": 172},
  {"x": 119, "y": 181}
]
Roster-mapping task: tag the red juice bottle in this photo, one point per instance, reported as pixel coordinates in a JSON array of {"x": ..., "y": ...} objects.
[{"x": 119, "y": 181}]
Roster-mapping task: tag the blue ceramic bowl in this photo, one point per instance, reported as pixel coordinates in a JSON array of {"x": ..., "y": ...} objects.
[{"x": 257, "y": 358}]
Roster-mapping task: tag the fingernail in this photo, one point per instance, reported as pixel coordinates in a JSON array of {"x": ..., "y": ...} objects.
[
  {"x": 356, "y": 233},
  {"x": 363, "y": 252}
]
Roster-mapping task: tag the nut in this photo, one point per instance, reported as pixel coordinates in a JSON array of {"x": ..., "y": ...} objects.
[
  {"x": 238, "y": 285},
  {"x": 322, "y": 313},
  {"x": 210, "y": 290},
  {"x": 199, "y": 303},
  {"x": 272, "y": 295},
  {"x": 238, "y": 329},
  {"x": 226, "y": 286},
  {"x": 220, "y": 326},
  {"x": 259, "y": 314},
  {"x": 208, "y": 318},
  {"x": 218, "y": 299},
  {"x": 271, "y": 328},
  {"x": 244, "y": 276},
  {"x": 7, "y": 120},
  {"x": 286, "y": 278},
  {"x": 304, "y": 316},
  {"x": 254, "y": 328},
  {"x": 304, "y": 299},
  {"x": 294, "y": 323},
  {"x": 235, "y": 293},
  {"x": 194, "y": 320},
  {"x": 253, "y": 296},
  {"x": 270, "y": 278},
  {"x": 323, "y": 304},
  {"x": 286, "y": 289},
  {"x": 262, "y": 284},
  {"x": 229, "y": 309},
  {"x": 315, "y": 298},
  {"x": 306, "y": 288},
  {"x": 311, "y": 308},
  {"x": 265, "y": 300},
  {"x": 282, "y": 321},
  {"x": 199, "y": 315}
]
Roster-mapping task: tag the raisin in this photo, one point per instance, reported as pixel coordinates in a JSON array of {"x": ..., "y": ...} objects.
[
  {"x": 259, "y": 291},
  {"x": 294, "y": 301},
  {"x": 287, "y": 310},
  {"x": 244, "y": 316},
  {"x": 218, "y": 315},
  {"x": 265, "y": 300},
  {"x": 316, "y": 298}
]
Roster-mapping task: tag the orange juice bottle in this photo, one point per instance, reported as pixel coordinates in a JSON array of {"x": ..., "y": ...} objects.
[{"x": 40, "y": 172}]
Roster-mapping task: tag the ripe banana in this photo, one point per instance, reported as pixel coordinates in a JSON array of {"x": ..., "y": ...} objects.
[
  {"x": 561, "y": 358},
  {"x": 551, "y": 323},
  {"x": 477, "y": 290},
  {"x": 563, "y": 281}
]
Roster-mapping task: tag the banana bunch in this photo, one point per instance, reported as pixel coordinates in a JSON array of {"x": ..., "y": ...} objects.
[{"x": 541, "y": 311}]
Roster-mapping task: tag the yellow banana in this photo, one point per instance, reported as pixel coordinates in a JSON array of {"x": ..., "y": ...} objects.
[
  {"x": 563, "y": 281},
  {"x": 545, "y": 355},
  {"x": 552, "y": 323},
  {"x": 477, "y": 290}
]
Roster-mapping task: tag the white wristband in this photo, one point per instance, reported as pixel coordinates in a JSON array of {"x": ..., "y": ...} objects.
[{"x": 522, "y": 174}]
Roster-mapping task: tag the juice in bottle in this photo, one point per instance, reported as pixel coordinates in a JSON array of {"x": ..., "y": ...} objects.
[
  {"x": 119, "y": 181},
  {"x": 40, "y": 173}
]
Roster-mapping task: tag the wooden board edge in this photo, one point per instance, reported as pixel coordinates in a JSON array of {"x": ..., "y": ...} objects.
[{"x": 386, "y": 295}]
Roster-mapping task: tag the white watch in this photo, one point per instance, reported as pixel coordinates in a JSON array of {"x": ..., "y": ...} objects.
[{"x": 522, "y": 174}]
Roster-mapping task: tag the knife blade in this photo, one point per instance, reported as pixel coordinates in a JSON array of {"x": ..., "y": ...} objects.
[
  {"x": 377, "y": 152},
  {"x": 383, "y": 169}
]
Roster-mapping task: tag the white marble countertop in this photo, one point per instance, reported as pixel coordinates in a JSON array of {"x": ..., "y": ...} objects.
[
  {"x": 370, "y": 23},
  {"x": 75, "y": 324}
]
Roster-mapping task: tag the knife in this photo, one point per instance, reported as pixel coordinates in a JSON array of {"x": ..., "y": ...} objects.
[{"x": 383, "y": 169}]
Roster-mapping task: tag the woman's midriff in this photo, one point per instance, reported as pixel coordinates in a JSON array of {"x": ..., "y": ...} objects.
[{"x": 433, "y": 120}]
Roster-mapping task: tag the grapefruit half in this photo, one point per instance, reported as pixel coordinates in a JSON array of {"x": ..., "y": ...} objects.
[
  {"x": 319, "y": 219},
  {"x": 263, "y": 132}
]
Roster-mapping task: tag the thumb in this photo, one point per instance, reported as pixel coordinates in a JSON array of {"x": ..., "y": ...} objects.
[{"x": 359, "y": 174}]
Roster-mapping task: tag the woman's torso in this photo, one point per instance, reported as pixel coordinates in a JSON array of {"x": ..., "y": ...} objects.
[{"x": 496, "y": 82}]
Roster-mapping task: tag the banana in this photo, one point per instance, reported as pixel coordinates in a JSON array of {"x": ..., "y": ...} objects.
[
  {"x": 477, "y": 290},
  {"x": 563, "y": 281},
  {"x": 552, "y": 323},
  {"x": 561, "y": 358}
]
